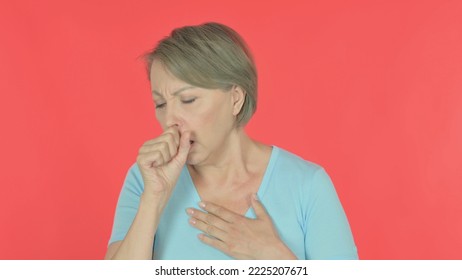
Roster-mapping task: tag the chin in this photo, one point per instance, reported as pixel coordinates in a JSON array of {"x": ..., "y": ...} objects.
[{"x": 194, "y": 159}]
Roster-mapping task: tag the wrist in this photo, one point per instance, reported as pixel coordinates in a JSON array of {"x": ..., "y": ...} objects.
[
  {"x": 280, "y": 251},
  {"x": 153, "y": 200}
]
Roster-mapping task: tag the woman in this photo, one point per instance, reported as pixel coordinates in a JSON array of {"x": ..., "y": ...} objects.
[{"x": 203, "y": 189}]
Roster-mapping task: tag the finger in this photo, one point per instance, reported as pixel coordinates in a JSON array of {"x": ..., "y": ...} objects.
[
  {"x": 163, "y": 147},
  {"x": 172, "y": 146},
  {"x": 175, "y": 133},
  {"x": 183, "y": 150},
  {"x": 149, "y": 160},
  {"x": 260, "y": 210},
  {"x": 216, "y": 243},
  {"x": 208, "y": 219},
  {"x": 167, "y": 138},
  {"x": 221, "y": 212},
  {"x": 208, "y": 229},
  {"x": 157, "y": 158},
  {"x": 158, "y": 153}
]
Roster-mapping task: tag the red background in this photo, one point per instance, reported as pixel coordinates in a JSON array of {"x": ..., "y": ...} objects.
[{"x": 371, "y": 90}]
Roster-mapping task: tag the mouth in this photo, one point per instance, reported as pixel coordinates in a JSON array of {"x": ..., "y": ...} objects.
[{"x": 191, "y": 142}]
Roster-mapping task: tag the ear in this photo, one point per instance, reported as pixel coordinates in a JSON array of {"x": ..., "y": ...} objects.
[{"x": 238, "y": 97}]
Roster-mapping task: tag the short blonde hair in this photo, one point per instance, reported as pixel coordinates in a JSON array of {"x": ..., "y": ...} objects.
[{"x": 210, "y": 55}]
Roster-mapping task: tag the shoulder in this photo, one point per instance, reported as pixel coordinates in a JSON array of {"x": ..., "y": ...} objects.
[
  {"x": 306, "y": 180},
  {"x": 304, "y": 176},
  {"x": 290, "y": 163}
]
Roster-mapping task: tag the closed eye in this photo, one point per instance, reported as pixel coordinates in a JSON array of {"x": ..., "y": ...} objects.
[
  {"x": 189, "y": 101},
  {"x": 160, "y": 106}
]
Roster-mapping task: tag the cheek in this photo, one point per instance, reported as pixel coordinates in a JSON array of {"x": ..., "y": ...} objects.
[
  {"x": 217, "y": 120},
  {"x": 211, "y": 119},
  {"x": 202, "y": 122}
]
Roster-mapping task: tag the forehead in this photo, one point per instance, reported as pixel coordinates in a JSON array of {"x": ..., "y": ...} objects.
[{"x": 162, "y": 80}]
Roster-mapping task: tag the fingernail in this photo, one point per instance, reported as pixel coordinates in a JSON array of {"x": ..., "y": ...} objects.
[
  {"x": 202, "y": 204},
  {"x": 192, "y": 221},
  {"x": 255, "y": 197},
  {"x": 189, "y": 211}
]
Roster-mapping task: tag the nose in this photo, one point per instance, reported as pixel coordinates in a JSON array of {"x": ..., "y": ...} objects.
[{"x": 172, "y": 117}]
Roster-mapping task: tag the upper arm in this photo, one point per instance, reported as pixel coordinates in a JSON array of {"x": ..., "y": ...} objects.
[
  {"x": 127, "y": 205},
  {"x": 328, "y": 233}
]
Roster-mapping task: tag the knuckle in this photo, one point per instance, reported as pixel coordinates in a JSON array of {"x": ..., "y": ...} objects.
[
  {"x": 169, "y": 136},
  {"x": 174, "y": 139},
  {"x": 164, "y": 145},
  {"x": 149, "y": 142},
  {"x": 209, "y": 229},
  {"x": 171, "y": 130},
  {"x": 168, "y": 139},
  {"x": 209, "y": 219},
  {"x": 157, "y": 154}
]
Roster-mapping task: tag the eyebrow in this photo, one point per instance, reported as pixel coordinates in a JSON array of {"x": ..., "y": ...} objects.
[{"x": 175, "y": 93}]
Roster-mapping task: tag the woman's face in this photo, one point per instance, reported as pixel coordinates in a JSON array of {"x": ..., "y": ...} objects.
[{"x": 209, "y": 114}]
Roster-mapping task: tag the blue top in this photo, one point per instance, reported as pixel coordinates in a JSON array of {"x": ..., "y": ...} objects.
[{"x": 298, "y": 195}]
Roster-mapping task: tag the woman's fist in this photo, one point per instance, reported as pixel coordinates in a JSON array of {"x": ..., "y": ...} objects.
[{"x": 161, "y": 159}]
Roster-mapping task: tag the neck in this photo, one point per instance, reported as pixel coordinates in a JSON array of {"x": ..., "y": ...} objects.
[{"x": 233, "y": 162}]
